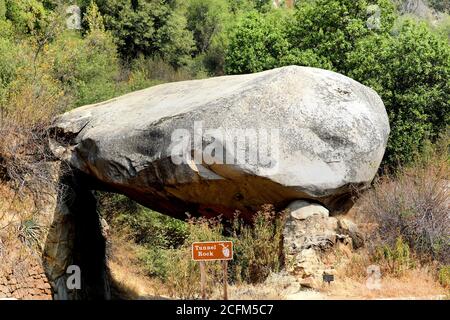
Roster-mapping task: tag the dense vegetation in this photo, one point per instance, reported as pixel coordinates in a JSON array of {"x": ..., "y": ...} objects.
[{"x": 125, "y": 45}]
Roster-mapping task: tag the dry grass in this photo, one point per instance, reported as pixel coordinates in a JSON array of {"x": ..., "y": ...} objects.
[
  {"x": 251, "y": 292},
  {"x": 31, "y": 101},
  {"x": 128, "y": 275},
  {"x": 354, "y": 269},
  {"x": 417, "y": 283},
  {"x": 412, "y": 204},
  {"x": 11, "y": 206}
]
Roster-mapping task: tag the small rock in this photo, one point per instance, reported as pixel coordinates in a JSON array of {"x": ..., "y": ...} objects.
[
  {"x": 309, "y": 282},
  {"x": 349, "y": 228}
]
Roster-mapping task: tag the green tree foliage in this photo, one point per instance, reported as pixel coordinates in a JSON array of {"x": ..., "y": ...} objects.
[
  {"x": 2, "y": 10},
  {"x": 331, "y": 28},
  {"x": 9, "y": 63},
  {"x": 243, "y": 6},
  {"x": 320, "y": 34},
  {"x": 407, "y": 65},
  {"x": 206, "y": 19},
  {"x": 411, "y": 72},
  {"x": 93, "y": 18},
  {"x": 262, "y": 5},
  {"x": 87, "y": 67},
  {"x": 26, "y": 15},
  {"x": 150, "y": 28},
  {"x": 258, "y": 43}
]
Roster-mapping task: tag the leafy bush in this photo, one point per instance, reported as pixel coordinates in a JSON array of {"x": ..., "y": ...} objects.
[
  {"x": 10, "y": 61},
  {"x": 320, "y": 34},
  {"x": 144, "y": 226},
  {"x": 86, "y": 67},
  {"x": 331, "y": 29},
  {"x": 150, "y": 27},
  {"x": 27, "y": 16},
  {"x": 257, "y": 43},
  {"x": 411, "y": 72},
  {"x": 258, "y": 248},
  {"x": 397, "y": 257},
  {"x": 206, "y": 19}
]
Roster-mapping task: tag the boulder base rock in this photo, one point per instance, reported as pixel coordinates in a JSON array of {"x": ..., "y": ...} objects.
[
  {"x": 306, "y": 238},
  {"x": 326, "y": 136}
]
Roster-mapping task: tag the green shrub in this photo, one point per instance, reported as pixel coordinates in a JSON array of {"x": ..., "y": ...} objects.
[
  {"x": 257, "y": 43},
  {"x": 86, "y": 67},
  {"x": 10, "y": 61},
  {"x": 444, "y": 276},
  {"x": 320, "y": 34},
  {"x": 396, "y": 257},
  {"x": 411, "y": 72},
  {"x": 153, "y": 28},
  {"x": 27, "y": 16},
  {"x": 206, "y": 19},
  {"x": 146, "y": 227},
  {"x": 156, "y": 260},
  {"x": 332, "y": 28},
  {"x": 259, "y": 247},
  {"x": 30, "y": 233}
]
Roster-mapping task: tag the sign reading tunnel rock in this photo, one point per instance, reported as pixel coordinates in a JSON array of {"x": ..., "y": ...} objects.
[{"x": 213, "y": 250}]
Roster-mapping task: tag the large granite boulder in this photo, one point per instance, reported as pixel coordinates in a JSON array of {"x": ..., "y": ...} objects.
[{"x": 212, "y": 146}]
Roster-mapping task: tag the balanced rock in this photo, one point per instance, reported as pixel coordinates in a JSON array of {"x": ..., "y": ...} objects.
[{"x": 231, "y": 143}]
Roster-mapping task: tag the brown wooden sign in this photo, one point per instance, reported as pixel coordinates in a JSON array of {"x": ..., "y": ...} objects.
[{"x": 213, "y": 250}]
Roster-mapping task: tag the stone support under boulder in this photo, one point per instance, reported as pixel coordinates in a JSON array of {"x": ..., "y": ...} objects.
[
  {"x": 75, "y": 238},
  {"x": 309, "y": 233}
]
